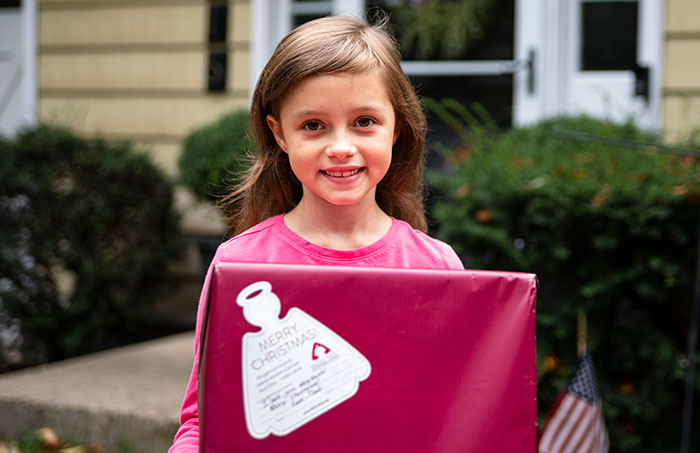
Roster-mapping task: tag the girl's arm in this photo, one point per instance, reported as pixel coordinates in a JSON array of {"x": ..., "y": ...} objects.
[{"x": 187, "y": 436}]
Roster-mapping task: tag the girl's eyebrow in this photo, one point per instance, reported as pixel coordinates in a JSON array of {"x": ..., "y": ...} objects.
[
  {"x": 364, "y": 108},
  {"x": 305, "y": 113},
  {"x": 368, "y": 108}
]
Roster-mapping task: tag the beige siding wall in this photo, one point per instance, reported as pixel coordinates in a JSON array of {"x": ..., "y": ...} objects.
[
  {"x": 681, "y": 86},
  {"x": 138, "y": 70}
]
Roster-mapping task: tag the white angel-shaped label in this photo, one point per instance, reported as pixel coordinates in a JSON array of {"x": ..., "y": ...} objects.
[{"x": 294, "y": 369}]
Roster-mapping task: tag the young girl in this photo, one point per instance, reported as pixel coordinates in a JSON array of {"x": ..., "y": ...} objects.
[{"x": 338, "y": 171}]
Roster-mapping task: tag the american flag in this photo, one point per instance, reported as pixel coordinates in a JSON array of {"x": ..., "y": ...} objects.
[{"x": 576, "y": 424}]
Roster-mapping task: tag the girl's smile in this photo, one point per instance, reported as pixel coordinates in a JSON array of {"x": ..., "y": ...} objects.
[
  {"x": 338, "y": 130},
  {"x": 342, "y": 173}
]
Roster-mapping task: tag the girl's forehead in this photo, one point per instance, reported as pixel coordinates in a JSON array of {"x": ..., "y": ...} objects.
[
  {"x": 342, "y": 78},
  {"x": 349, "y": 83}
]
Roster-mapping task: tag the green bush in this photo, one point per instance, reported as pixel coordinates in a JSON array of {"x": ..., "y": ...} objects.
[
  {"x": 211, "y": 153},
  {"x": 610, "y": 231},
  {"x": 87, "y": 232}
]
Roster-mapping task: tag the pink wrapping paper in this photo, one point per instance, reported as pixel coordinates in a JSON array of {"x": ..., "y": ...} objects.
[{"x": 452, "y": 357}]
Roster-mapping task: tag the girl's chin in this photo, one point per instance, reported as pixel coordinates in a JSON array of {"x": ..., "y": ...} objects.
[{"x": 337, "y": 201}]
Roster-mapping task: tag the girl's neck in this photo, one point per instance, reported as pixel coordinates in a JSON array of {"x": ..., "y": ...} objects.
[{"x": 339, "y": 227}]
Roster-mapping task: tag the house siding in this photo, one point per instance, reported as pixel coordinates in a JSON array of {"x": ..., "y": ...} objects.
[
  {"x": 681, "y": 84},
  {"x": 137, "y": 70}
]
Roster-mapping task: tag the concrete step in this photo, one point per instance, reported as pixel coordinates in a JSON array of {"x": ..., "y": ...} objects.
[{"x": 128, "y": 396}]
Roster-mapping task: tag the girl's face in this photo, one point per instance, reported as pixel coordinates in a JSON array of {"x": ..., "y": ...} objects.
[{"x": 338, "y": 130}]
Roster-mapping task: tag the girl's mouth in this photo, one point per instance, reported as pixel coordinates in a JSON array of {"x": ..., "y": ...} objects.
[{"x": 342, "y": 174}]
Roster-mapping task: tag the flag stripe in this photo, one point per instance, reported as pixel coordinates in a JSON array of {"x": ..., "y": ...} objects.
[
  {"x": 585, "y": 444},
  {"x": 569, "y": 424},
  {"x": 583, "y": 422},
  {"x": 583, "y": 433},
  {"x": 589, "y": 440},
  {"x": 601, "y": 436},
  {"x": 551, "y": 415},
  {"x": 559, "y": 417}
]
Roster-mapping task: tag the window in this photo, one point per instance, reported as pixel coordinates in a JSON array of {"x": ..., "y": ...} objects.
[{"x": 609, "y": 35}]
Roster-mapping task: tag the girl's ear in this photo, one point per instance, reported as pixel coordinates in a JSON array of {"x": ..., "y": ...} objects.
[
  {"x": 276, "y": 131},
  {"x": 397, "y": 131}
]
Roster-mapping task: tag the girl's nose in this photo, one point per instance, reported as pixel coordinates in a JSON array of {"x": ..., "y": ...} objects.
[{"x": 341, "y": 148}]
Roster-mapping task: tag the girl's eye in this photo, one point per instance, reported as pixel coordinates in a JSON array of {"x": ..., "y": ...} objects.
[
  {"x": 364, "y": 122},
  {"x": 311, "y": 126}
]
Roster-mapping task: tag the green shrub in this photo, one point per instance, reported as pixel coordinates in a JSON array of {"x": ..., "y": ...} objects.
[
  {"x": 610, "y": 231},
  {"x": 211, "y": 153},
  {"x": 87, "y": 231}
]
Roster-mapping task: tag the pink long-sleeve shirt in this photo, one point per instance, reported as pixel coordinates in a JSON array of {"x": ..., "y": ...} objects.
[{"x": 272, "y": 242}]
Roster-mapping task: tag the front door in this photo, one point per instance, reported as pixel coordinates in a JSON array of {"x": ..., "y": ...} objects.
[
  {"x": 601, "y": 58},
  {"x": 613, "y": 62}
]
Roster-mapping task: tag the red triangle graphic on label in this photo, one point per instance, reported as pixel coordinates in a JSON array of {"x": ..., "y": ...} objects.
[{"x": 314, "y": 356}]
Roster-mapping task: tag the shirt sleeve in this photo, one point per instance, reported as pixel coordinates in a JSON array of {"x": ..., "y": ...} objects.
[
  {"x": 187, "y": 436},
  {"x": 453, "y": 261}
]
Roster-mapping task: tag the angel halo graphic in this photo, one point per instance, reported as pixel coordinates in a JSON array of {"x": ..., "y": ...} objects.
[{"x": 294, "y": 369}]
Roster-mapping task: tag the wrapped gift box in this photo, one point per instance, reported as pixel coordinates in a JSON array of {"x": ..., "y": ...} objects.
[{"x": 337, "y": 359}]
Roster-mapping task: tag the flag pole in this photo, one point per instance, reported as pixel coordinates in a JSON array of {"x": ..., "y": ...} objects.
[
  {"x": 577, "y": 417},
  {"x": 582, "y": 335}
]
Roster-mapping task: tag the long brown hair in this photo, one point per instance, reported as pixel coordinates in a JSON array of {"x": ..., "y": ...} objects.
[{"x": 329, "y": 45}]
